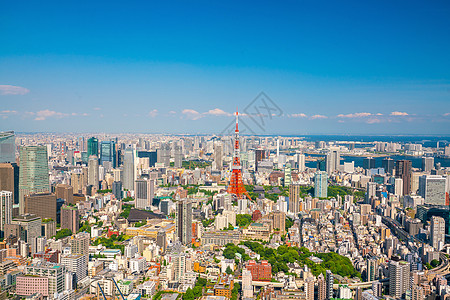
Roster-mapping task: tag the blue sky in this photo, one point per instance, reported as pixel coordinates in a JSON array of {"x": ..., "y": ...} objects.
[{"x": 332, "y": 67}]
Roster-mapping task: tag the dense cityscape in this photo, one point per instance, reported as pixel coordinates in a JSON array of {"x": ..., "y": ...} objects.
[
  {"x": 225, "y": 150},
  {"x": 138, "y": 216}
]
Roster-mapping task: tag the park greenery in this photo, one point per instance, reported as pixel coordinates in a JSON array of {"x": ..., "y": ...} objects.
[
  {"x": 243, "y": 220},
  {"x": 104, "y": 191},
  {"x": 126, "y": 210},
  {"x": 207, "y": 222},
  {"x": 288, "y": 223},
  {"x": 280, "y": 257},
  {"x": 193, "y": 164},
  {"x": 140, "y": 223},
  {"x": 63, "y": 233},
  {"x": 114, "y": 242}
]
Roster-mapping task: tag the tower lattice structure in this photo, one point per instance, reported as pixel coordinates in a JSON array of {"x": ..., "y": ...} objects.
[{"x": 236, "y": 186}]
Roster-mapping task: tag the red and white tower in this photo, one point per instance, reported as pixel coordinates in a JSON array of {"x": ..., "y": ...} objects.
[{"x": 236, "y": 186}]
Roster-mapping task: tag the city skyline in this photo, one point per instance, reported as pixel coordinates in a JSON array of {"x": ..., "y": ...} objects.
[{"x": 347, "y": 68}]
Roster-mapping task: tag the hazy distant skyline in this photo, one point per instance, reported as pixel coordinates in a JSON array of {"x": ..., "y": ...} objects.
[{"x": 332, "y": 68}]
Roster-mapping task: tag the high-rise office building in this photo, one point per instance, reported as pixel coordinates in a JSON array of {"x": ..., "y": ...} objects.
[
  {"x": 33, "y": 172},
  {"x": 369, "y": 163},
  {"x": 184, "y": 221},
  {"x": 128, "y": 169},
  {"x": 300, "y": 162},
  {"x": 321, "y": 287},
  {"x": 247, "y": 287},
  {"x": 93, "y": 171},
  {"x": 76, "y": 264},
  {"x": 279, "y": 221},
  {"x": 92, "y": 146},
  {"x": 64, "y": 191},
  {"x": 163, "y": 154},
  {"x": 388, "y": 165},
  {"x": 42, "y": 205},
  {"x": 7, "y": 147},
  {"x": 117, "y": 189},
  {"x": 427, "y": 164},
  {"x": 108, "y": 153},
  {"x": 437, "y": 232},
  {"x": 329, "y": 285},
  {"x": 79, "y": 244},
  {"x": 320, "y": 184},
  {"x": 152, "y": 157},
  {"x": 9, "y": 179},
  {"x": 403, "y": 171},
  {"x": 30, "y": 228},
  {"x": 70, "y": 218},
  {"x": 161, "y": 240},
  {"x": 144, "y": 192},
  {"x": 432, "y": 189},
  {"x": 372, "y": 269},
  {"x": 333, "y": 160},
  {"x": 294, "y": 199},
  {"x": 218, "y": 155},
  {"x": 287, "y": 174},
  {"x": 399, "y": 278},
  {"x": 178, "y": 156},
  {"x": 6, "y": 203}
]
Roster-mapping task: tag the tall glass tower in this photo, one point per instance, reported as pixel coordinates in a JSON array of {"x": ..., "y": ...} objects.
[
  {"x": 108, "y": 152},
  {"x": 33, "y": 172},
  {"x": 7, "y": 147},
  {"x": 92, "y": 146}
]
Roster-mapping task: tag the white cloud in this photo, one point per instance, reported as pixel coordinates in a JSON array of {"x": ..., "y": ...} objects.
[
  {"x": 191, "y": 114},
  {"x": 153, "y": 113},
  {"x": 319, "y": 117},
  {"x": 355, "y": 115},
  {"x": 96, "y": 108},
  {"x": 300, "y": 115},
  {"x": 446, "y": 114},
  {"x": 13, "y": 90},
  {"x": 44, "y": 114},
  {"x": 399, "y": 113},
  {"x": 374, "y": 121},
  {"x": 217, "y": 112}
]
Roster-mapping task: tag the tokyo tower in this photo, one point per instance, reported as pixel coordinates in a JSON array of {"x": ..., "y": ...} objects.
[{"x": 236, "y": 186}]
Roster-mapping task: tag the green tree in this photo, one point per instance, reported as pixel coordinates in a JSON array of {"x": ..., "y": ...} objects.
[
  {"x": 189, "y": 295},
  {"x": 228, "y": 270}
]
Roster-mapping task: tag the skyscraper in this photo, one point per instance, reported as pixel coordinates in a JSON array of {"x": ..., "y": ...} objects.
[
  {"x": 279, "y": 221},
  {"x": 93, "y": 173},
  {"x": 403, "y": 171},
  {"x": 42, "y": 205},
  {"x": 437, "y": 231},
  {"x": 6, "y": 203},
  {"x": 163, "y": 154},
  {"x": 427, "y": 164},
  {"x": 399, "y": 278},
  {"x": 333, "y": 160},
  {"x": 329, "y": 285},
  {"x": 65, "y": 191},
  {"x": 108, "y": 152},
  {"x": 320, "y": 184},
  {"x": 372, "y": 269},
  {"x": 294, "y": 198},
  {"x": 287, "y": 174},
  {"x": 9, "y": 179},
  {"x": 321, "y": 287},
  {"x": 7, "y": 147},
  {"x": 92, "y": 146},
  {"x": 117, "y": 189},
  {"x": 432, "y": 188},
  {"x": 388, "y": 165},
  {"x": 218, "y": 155},
  {"x": 70, "y": 218},
  {"x": 144, "y": 192},
  {"x": 368, "y": 163},
  {"x": 128, "y": 169},
  {"x": 33, "y": 172},
  {"x": 184, "y": 221},
  {"x": 178, "y": 156},
  {"x": 247, "y": 287}
]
